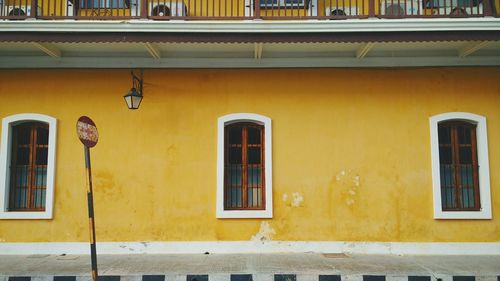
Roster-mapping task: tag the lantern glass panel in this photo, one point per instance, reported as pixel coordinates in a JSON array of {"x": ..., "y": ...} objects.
[{"x": 133, "y": 99}]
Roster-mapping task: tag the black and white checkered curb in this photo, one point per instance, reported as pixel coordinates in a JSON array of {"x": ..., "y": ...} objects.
[{"x": 254, "y": 277}]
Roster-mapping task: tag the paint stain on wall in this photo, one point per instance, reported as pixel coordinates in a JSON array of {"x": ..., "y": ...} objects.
[
  {"x": 265, "y": 233},
  {"x": 104, "y": 183},
  {"x": 170, "y": 160}
]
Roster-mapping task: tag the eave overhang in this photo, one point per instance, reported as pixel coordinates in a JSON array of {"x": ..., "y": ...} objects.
[
  {"x": 252, "y": 43},
  {"x": 249, "y": 37},
  {"x": 366, "y": 30}
]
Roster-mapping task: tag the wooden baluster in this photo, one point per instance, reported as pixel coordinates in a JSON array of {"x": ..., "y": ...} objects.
[
  {"x": 34, "y": 9},
  {"x": 257, "y": 8},
  {"x": 487, "y": 8},
  {"x": 144, "y": 9},
  {"x": 371, "y": 8}
]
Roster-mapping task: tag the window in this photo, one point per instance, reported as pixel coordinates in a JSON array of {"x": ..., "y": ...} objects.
[
  {"x": 96, "y": 4},
  {"x": 28, "y": 168},
  {"x": 308, "y": 7},
  {"x": 244, "y": 185},
  {"x": 275, "y": 4},
  {"x": 460, "y": 166},
  {"x": 27, "y": 155}
]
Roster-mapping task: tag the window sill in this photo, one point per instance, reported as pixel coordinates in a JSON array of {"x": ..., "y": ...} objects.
[
  {"x": 458, "y": 215},
  {"x": 264, "y": 214},
  {"x": 26, "y": 215}
]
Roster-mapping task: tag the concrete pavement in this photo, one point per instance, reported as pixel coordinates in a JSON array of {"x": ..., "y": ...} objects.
[{"x": 306, "y": 266}]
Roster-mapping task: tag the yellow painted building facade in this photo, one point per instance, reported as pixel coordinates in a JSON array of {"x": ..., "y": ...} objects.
[{"x": 351, "y": 152}]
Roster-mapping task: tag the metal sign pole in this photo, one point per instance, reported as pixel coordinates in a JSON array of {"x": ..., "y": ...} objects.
[
  {"x": 87, "y": 133},
  {"x": 90, "y": 202}
]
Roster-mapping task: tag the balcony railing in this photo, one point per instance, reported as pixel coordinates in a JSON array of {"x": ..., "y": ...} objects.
[{"x": 242, "y": 9}]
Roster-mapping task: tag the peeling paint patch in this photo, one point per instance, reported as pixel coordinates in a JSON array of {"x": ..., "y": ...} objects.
[
  {"x": 285, "y": 197},
  {"x": 265, "y": 233},
  {"x": 297, "y": 199},
  {"x": 349, "y": 182},
  {"x": 125, "y": 247},
  {"x": 355, "y": 180},
  {"x": 340, "y": 175}
]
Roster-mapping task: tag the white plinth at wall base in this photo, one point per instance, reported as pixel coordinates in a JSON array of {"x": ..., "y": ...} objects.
[{"x": 251, "y": 247}]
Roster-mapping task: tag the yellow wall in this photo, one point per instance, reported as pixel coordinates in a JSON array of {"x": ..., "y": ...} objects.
[{"x": 155, "y": 168}]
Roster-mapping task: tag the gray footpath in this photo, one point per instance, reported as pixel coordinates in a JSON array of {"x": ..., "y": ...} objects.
[{"x": 262, "y": 267}]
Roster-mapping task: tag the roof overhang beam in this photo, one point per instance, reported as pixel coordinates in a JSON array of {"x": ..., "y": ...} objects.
[
  {"x": 48, "y": 49},
  {"x": 471, "y": 48}
]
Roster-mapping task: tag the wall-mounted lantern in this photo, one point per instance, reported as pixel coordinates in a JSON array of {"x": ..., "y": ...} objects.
[{"x": 134, "y": 96}]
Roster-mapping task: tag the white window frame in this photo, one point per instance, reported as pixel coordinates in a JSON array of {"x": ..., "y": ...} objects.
[
  {"x": 221, "y": 124},
  {"x": 482, "y": 159},
  {"x": 5, "y": 151}
]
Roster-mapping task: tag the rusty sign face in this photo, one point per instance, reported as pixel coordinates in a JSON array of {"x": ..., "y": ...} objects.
[{"x": 87, "y": 131}]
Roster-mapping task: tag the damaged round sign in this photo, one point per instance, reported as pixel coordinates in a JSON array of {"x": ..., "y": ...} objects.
[{"x": 87, "y": 131}]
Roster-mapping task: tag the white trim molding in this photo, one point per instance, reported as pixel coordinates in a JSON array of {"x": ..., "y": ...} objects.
[
  {"x": 256, "y": 26},
  {"x": 483, "y": 162},
  {"x": 5, "y": 151},
  {"x": 254, "y": 247},
  {"x": 221, "y": 124}
]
